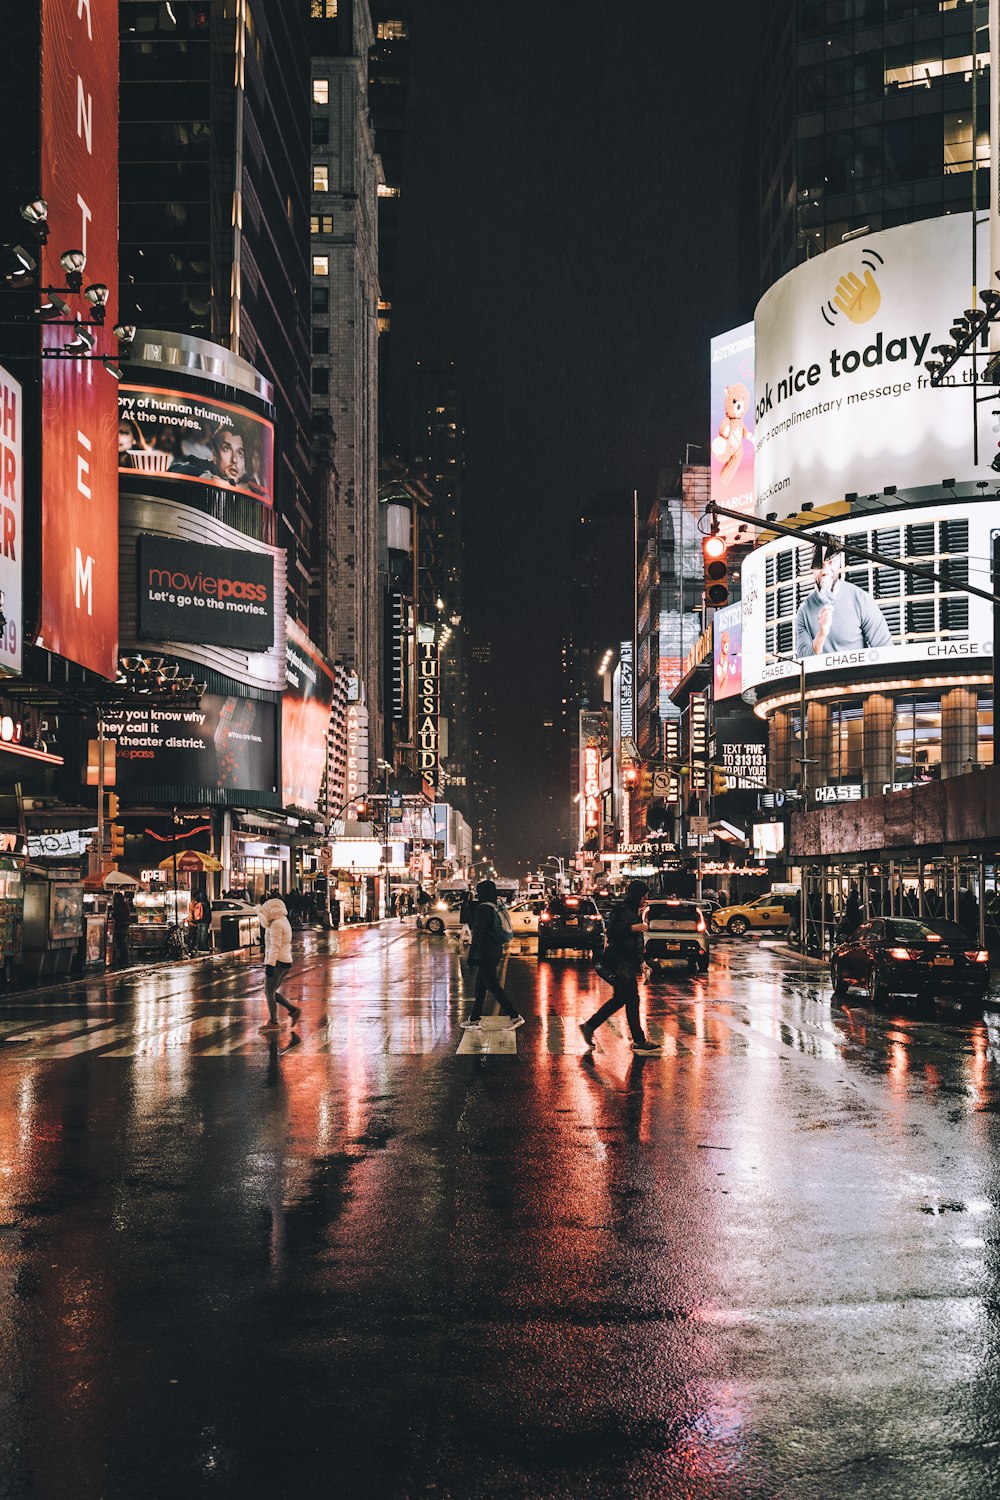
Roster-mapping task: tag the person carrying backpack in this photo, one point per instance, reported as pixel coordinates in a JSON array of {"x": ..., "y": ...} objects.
[
  {"x": 490, "y": 936},
  {"x": 622, "y": 958}
]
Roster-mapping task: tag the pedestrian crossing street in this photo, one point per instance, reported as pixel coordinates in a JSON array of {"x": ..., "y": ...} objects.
[{"x": 365, "y": 1030}]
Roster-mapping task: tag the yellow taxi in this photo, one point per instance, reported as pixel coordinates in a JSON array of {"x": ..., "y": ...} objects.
[{"x": 770, "y": 913}]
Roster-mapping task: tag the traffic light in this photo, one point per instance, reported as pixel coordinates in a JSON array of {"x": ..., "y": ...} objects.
[
  {"x": 720, "y": 781},
  {"x": 117, "y": 840},
  {"x": 361, "y": 810},
  {"x": 112, "y": 805},
  {"x": 714, "y": 549}
]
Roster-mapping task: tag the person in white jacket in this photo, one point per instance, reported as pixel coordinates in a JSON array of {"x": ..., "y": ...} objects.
[{"x": 277, "y": 960}]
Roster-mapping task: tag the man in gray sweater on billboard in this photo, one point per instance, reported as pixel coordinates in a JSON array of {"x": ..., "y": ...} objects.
[{"x": 837, "y": 615}]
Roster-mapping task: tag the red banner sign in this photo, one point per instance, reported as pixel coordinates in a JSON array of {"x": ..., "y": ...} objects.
[{"x": 79, "y": 181}]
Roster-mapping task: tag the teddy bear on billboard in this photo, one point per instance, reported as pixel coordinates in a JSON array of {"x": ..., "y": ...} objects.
[{"x": 728, "y": 446}]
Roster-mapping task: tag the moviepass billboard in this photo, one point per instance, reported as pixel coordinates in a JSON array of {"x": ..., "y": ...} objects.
[
  {"x": 79, "y": 181},
  {"x": 213, "y": 596}
]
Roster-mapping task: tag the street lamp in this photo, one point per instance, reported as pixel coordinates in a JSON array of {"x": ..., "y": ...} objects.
[
  {"x": 803, "y": 757},
  {"x": 804, "y": 764}
]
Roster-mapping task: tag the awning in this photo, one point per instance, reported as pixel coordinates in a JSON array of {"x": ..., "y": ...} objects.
[{"x": 192, "y": 862}]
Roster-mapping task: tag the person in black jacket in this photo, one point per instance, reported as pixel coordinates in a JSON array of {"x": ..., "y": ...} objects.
[
  {"x": 624, "y": 954},
  {"x": 485, "y": 952}
]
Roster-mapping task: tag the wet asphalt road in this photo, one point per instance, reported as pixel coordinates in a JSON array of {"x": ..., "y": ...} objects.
[{"x": 763, "y": 1264}]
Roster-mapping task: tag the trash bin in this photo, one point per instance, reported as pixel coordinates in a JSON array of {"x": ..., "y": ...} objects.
[{"x": 229, "y": 934}]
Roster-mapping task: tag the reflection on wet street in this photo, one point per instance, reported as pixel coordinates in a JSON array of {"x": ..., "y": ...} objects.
[{"x": 375, "y": 1259}]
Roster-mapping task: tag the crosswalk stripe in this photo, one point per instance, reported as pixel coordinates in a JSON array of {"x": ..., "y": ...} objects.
[{"x": 494, "y": 1039}]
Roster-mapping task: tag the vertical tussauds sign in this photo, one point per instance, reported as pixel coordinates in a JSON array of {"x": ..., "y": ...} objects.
[
  {"x": 79, "y": 479},
  {"x": 428, "y": 704}
]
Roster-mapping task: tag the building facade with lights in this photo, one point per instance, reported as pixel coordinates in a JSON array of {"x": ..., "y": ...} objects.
[{"x": 873, "y": 157}]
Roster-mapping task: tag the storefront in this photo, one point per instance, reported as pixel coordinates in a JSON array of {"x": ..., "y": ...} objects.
[{"x": 932, "y": 850}]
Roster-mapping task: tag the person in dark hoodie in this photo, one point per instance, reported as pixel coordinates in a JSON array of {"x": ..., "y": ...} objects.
[
  {"x": 485, "y": 952},
  {"x": 624, "y": 954}
]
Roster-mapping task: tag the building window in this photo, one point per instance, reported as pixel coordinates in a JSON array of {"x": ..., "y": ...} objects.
[
  {"x": 918, "y": 739},
  {"x": 323, "y": 10},
  {"x": 846, "y": 740},
  {"x": 984, "y": 730},
  {"x": 320, "y": 381},
  {"x": 321, "y": 179},
  {"x": 321, "y": 265},
  {"x": 391, "y": 31},
  {"x": 321, "y": 90},
  {"x": 321, "y": 223},
  {"x": 958, "y": 143},
  {"x": 320, "y": 130},
  {"x": 321, "y": 340},
  {"x": 385, "y": 191},
  {"x": 321, "y": 299}
]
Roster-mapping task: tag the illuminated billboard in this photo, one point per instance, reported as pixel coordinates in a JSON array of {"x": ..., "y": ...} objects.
[
  {"x": 727, "y": 652},
  {"x": 194, "y": 440},
  {"x": 842, "y": 400},
  {"x": 221, "y": 596},
  {"x": 79, "y": 485},
  {"x": 226, "y": 743},
  {"x": 732, "y": 415},
  {"x": 306, "y": 705},
  {"x": 836, "y": 612},
  {"x": 12, "y": 518}
]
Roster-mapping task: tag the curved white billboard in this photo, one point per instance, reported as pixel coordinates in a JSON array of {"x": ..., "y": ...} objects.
[
  {"x": 834, "y": 612},
  {"x": 842, "y": 400}
]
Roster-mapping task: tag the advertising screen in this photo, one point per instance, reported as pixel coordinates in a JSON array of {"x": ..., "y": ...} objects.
[
  {"x": 226, "y": 742},
  {"x": 727, "y": 651},
  {"x": 732, "y": 411},
  {"x": 305, "y": 719},
  {"x": 833, "y": 611},
  {"x": 12, "y": 517},
  {"x": 79, "y": 181},
  {"x": 195, "y": 440},
  {"x": 843, "y": 402},
  {"x": 219, "y": 596}
]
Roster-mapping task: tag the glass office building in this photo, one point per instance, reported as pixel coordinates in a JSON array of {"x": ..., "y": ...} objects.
[{"x": 867, "y": 118}]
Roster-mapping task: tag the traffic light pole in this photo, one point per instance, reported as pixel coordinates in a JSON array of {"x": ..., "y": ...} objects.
[{"x": 851, "y": 549}]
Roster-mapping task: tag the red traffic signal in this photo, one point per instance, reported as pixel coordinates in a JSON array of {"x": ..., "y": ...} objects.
[{"x": 714, "y": 549}]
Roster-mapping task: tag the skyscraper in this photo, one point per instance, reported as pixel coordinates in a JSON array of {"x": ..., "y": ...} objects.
[
  {"x": 868, "y": 122},
  {"x": 214, "y": 157},
  {"x": 439, "y": 458},
  {"x": 344, "y": 264}
]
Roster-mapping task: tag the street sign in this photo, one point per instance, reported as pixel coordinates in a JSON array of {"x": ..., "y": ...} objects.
[
  {"x": 698, "y": 826},
  {"x": 662, "y": 783},
  {"x": 395, "y": 807},
  {"x": 325, "y": 857}
]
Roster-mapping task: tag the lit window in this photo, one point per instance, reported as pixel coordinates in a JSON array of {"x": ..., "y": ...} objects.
[
  {"x": 323, "y": 10},
  {"x": 321, "y": 179},
  {"x": 958, "y": 143},
  {"x": 321, "y": 90},
  {"x": 385, "y": 191},
  {"x": 321, "y": 224},
  {"x": 321, "y": 265},
  {"x": 391, "y": 31}
]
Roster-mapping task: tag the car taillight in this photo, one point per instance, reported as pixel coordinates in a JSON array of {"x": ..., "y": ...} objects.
[
  {"x": 545, "y": 917},
  {"x": 978, "y": 956},
  {"x": 701, "y": 924},
  {"x": 901, "y": 953}
]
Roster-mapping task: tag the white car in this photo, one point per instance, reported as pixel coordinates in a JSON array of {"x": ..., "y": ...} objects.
[
  {"x": 227, "y": 907},
  {"x": 442, "y": 916},
  {"x": 524, "y": 916}
]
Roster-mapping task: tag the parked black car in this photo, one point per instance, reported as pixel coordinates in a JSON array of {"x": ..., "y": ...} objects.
[
  {"x": 904, "y": 956},
  {"x": 570, "y": 922}
]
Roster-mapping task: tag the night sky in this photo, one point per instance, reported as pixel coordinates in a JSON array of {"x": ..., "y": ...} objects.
[{"x": 569, "y": 237}]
